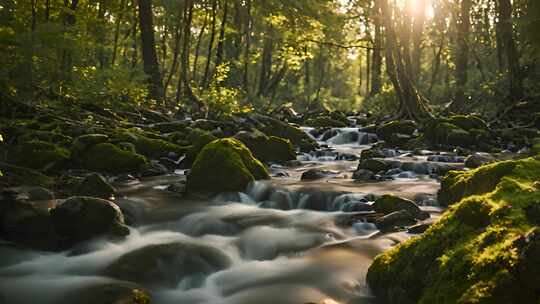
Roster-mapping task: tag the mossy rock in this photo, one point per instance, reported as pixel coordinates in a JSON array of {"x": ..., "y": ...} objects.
[
  {"x": 197, "y": 139},
  {"x": 149, "y": 144},
  {"x": 81, "y": 218},
  {"x": 225, "y": 165},
  {"x": 297, "y": 137},
  {"x": 106, "y": 157},
  {"x": 460, "y": 138},
  {"x": 48, "y": 136},
  {"x": 468, "y": 122},
  {"x": 325, "y": 122},
  {"x": 482, "y": 249},
  {"x": 108, "y": 292},
  {"x": 267, "y": 149},
  {"x": 95, "y": 185},
  {"x": 443, "y": 133},
  {"x": 377, "y": 165},
  {"x": 83, "y": 142},
  {"x": 458, "y": 184},
  {"x": 536, "y": 146},
  {"x": 15, "y": 175},
  {"x": 397, "y": 132},
  {"x": 38, "y": 155}
]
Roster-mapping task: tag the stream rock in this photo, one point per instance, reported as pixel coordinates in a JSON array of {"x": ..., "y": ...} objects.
[
  {"x": 168, "y": 264},
  {"x": 106, "y": 157},
  {"x": 476, "y": 160},
  {"x": 315, "y": 174},
  {"x": 108, "y": 293},
  {"x": 267, "y": 149},
  {"x": 225, "y": 165},
  {"x": 95, "y": 185},
  {"x": 395, "y": 220},
  {"x": 81, "y": 218},
  {"x": 387, "y": 204}
]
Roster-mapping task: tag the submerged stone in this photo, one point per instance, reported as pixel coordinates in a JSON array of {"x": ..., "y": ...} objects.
[{"x": 168, "y": 264}]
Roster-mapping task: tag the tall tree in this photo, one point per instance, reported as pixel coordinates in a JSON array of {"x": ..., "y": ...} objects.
[
  {"x": 512, "y": 57},
  {"x": 463, "y": 23},
  {"x": 377, "y": 46},
  {"x": 148, "y": 45}
]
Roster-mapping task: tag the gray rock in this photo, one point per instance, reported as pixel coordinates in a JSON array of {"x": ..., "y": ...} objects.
[
  {"x": 476, "y": 160},
  {"x": 363, "y": 174},
  {"x": 395, "y": 220},
  {"x": 314, "y": 174},
  {"x": 387, "y": 204},
  {"x": 168, "y": 264},
  {"x": 81, "y": 218},
  {"x": 39, "y": 194},
  {"x": 153, "y": 168},
  {"x": 95, "y": 185}
]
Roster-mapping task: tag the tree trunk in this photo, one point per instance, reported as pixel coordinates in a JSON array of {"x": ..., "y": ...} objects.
[
  {"x": 377, "y": 46},
  {"x": 221, "y": 40},
  {"x": 248, "y": 28},
  {"x": 512, "y": 57},
  {"x": 117, "y": 31},
  {"x": 148, "y": 45},
  {"x": 198, "y": 46},
  {"x": 266, "y": 63},
  {"x": 418, "y": 29},
  {"x": 411, "y": 104},
  {"x": 462, "y": 56},
  {"x": 210, "y": 45}
]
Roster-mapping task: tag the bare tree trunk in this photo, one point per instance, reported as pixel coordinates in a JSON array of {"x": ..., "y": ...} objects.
[
  {"x": 266, "y": 63},
  {"x": 117, "y": 31},
  {"x": 377, "y": 57},
  {"x": 411, "y": 104},
  {"x": 176, "y": 51},
  {"x": 418, "y": 30},
  {"x": 198, "y": 46},
  {"x": 210, "y": 45},
  {"x": 462, "y": 57},
  {"x": 148, "y": 46},
  {"x": 248, "y": 28},
  {"x": 135, "y": 48},
  {"x": 515, "y": 76},
  {"x": 221, "y": 40}
]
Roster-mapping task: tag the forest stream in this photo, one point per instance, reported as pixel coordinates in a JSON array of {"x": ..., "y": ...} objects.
[{"x": 280, "y": 241}]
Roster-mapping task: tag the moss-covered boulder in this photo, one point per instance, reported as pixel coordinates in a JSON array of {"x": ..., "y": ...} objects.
[
  {"x": 299, "y": 139},
  {"x": 267, "y": 149},
  {"x": 15, "y": 175},
  {"x": 484, "y": 249},
  {"x": 168, "y": 264},
  {"x": 468, "y": 122},
  {"x": 83, "y": 142},
  {"x": 388, "y": 203},
  {"x": 377, "y": 165},
  {"x": 39, "y": 155},
  {"x": 149, "y": 144},
  {"x": 397, "y": 131},
  {"x": 324, "y": 122},
  {"x": 197, "y": 140},
  {"x": 81, "y": 218},
  {"x": 225, "y": 165},
  {"x": 458, "y": 184},
  {"x": 107, "y": 157}
]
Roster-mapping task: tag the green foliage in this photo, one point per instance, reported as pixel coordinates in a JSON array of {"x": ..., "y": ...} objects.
[{"x": 221, "y": 100}]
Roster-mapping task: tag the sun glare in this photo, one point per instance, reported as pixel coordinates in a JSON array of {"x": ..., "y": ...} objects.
[{"x": 418, "y": 6}]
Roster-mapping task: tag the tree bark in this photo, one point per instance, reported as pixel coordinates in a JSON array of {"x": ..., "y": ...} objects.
[
  {"x": 377, "y": 56},
  {"x": 411, "y": 104},
  {"x": 149, "y": 55},
  {"x": 515, "y": 76},
  {"x": 210, "y": 45},
  {"x": 117, "y": 31},
  {"x": 462, "y": 56}
]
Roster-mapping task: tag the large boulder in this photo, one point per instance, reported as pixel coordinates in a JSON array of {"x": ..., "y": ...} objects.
[
  {"x": 28, "y": 226},
  {"x": 168, "y": 264},
  {"x": 468, "y": 122},
  {"x": 83, "y": 142},
  {"x": 457, "y": 184},
  {"x": 95, "y": 185},
  {"x": 395, "y": 220},
  {"x": 397, "y": 131},
  {"x": 267, "y": 149},
  {"x": 225, "y": 165},
  {"x": 487, "y": 238},
  {"x": 324, "y": 122},
  {"x": 377, "y": 165},
  {"x": 81, "y": 218},
  {"x": 388, "y": 203},
  {"x": 106, "y": 157},
  {"x": 38, "y": 155}
]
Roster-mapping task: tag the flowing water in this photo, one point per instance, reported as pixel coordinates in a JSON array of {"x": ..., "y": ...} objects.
[{"x": 283, "y": 241}]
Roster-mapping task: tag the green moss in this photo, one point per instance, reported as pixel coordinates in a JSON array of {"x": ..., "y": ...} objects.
[
  {"x": 297, "y": 137},
  {"x": 478, "y": 252},
  {"x": 225, "y": 165},
  {"x": 106, "y": 157},
  {"x": 38, "y": 154},
  {"x": 457, "y": 184},
  {"x": 14, "y": 175},
  {"x": 197, "y": 139},
  {"x": 325, "y": 122},
  {"x": 468, "y": 122},
  {"x": 149, "y": 144},
  {"x": 267, "y": 149}
]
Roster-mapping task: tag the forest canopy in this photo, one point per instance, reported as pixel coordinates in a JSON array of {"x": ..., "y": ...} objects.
[{"x": 215, "y": 57}]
